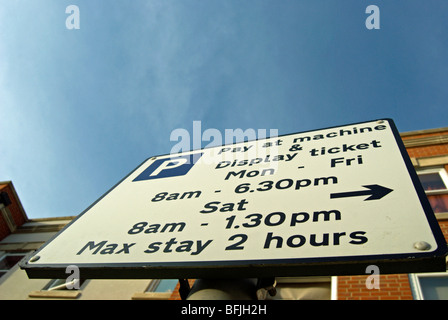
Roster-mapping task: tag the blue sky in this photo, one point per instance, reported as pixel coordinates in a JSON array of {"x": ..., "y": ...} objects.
[{"x": 80, "y": 109}]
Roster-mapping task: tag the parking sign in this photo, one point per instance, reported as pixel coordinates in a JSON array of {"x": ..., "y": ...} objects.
[{"x": 322, "y": 202}]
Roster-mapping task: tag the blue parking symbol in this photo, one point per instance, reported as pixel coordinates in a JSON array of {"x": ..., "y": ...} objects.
[{"x": 169, "y": 167}]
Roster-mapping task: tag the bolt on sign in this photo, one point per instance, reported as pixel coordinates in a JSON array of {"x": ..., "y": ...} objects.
[{"x": 323, "y": 202}]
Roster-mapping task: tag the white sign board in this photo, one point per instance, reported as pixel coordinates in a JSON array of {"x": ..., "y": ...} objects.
[{"x": 328, "y": 201}]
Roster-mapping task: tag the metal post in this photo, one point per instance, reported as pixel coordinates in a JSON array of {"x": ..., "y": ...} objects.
[{"x": 184, "y": 288}]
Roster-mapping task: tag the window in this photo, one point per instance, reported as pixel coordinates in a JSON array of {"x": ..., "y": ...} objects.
[
  {"x": 435, "y": 183},
  {"x": 8, "y": 261},
  {"x": 61, "y": 284},
  {"x": 162, "y": 285},
  {"x": 56, "y": 288},
  {"x": 439, "y": 203},
  {"x": 158, "y": 289},
  {"x": 60, "y": 289},
  {"x": 434, "y": 180},
  {"x": 430, "y": 286}
]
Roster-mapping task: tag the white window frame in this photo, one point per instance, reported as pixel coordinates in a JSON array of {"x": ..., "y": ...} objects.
[
  {"x": 443, "y": 175},
  {"x": 414, "y": 280}
]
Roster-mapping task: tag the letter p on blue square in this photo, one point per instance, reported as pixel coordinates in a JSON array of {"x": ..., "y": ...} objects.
[{"x": 169, "y": 167}]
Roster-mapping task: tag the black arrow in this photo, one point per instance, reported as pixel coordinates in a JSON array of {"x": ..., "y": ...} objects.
[{"x": 376, "y": 192}]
